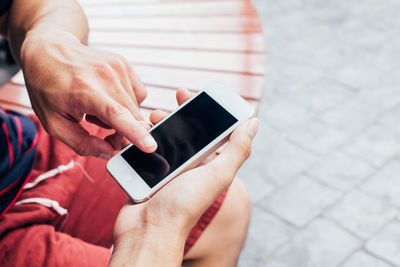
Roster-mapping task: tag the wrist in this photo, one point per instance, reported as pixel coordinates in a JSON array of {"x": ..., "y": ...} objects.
[
  {"x": 149, "y": 245},
  {"x": 37, "y": 41}
]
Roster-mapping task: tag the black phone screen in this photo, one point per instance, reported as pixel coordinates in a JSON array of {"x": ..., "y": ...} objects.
[{"x": 179, "y": 138}]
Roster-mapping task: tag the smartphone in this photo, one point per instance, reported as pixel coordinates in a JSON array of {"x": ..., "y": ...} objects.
[{"x": 184, "y": 138}]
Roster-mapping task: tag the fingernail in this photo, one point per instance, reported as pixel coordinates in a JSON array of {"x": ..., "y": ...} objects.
[
  {"x": 105, "y": 156},
  {"x": 149, "y": 141},
  {"x": 252, "y": 126}
]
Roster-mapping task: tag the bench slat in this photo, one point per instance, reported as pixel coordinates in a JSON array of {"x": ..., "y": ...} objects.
[
  {"x": 233, "y": 24},
  {"x": 246, "y": 63},
  {"x": 243, "y": 42},
  {"x": 172, "y": 9}
]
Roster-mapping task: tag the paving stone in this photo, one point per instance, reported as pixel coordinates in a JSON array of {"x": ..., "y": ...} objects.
[
  {"x": 286, "y": 114},
  {"x": 386, "y": 53},
  {"x": 350, "y": 74},
  {"x": 351, "y": 117},
  {"x": 322, "y": 243},
  {"x": 267, "y": 137},
  {"x": 279, "y": 86},
  {"x": 286, "y": 161},
  {"x": 330, "y": 63},
  {"x": 266, "y": 233},
  {"x": 385, "y": 96},
  {"x": 323, "y": 95},
  {"x": 317, "y": 137},
  {"x": 258, "y": 186},
  {"x": 385, "y": 183},
  {"x": 375, "y": 145},
  {"x": 301, "y": 72},
  {"x": 390, "y": 119},
  {"x": 300, "y": 201},
  {"x": 362, "y": 214},
  {"x": 340, "y": 171},
  {"x": 291, "y": 47},
  {"x": 362, "y": 259},
  {"x": 386, "y": 243},
  {"x": 254, "y": 171},
  {"x": 248, "y": 258},
  {"x": 366, "y": 41}
]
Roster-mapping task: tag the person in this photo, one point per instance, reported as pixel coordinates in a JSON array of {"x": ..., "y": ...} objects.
[{"x": 61, "y": 208}]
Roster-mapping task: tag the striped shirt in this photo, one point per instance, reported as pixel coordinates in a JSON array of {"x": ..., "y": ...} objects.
[{"x": 18, "y": 140}]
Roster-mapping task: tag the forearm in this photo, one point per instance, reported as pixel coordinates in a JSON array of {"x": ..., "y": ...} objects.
[
  {"x": 149, "y": 247},
  {"x": 42, "y": 19}
]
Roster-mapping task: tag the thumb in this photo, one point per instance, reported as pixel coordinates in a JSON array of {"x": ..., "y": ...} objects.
[
  {"x": 76, "y": 137},
  {"x": 225, "y": 166},
  {"x": 203, "y": 184}
]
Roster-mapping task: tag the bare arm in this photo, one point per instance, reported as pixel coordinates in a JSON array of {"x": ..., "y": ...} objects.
[
  {"x": 67, "y": 79},
  {"x": 153, "y": 233},
  {"x": 43, "y": 17},
  {"x": 149, "y": 245}
]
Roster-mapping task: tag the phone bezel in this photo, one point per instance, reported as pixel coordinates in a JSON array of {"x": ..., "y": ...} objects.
[{"x": 136, "y": 187}]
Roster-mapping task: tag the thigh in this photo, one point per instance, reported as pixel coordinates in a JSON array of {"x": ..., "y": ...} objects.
[
  {"x": 224, "y": 236},
  {"x": 41, "y": 245},
  {"x": 95, "y": 205},
  {"x": 80, "y": 185},
  {"x": 29, "y": 237},
  {"x": 203, "y": 222}
]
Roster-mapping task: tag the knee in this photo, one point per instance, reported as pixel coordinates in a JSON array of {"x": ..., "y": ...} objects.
[
  {"x": 237, "y": 219},
  {"x": 227, "y": 232}
]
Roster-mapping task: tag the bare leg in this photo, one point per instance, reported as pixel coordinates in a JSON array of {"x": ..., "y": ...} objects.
[{"x": 221, "y": 242}]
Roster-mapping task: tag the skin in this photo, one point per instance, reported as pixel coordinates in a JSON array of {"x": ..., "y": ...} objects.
[
  {"x": 66, "y": 80},
  {"x": 147, "y": 229}
]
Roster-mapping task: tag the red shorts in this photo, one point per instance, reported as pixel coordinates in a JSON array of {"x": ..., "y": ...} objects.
[{"x": 67, "y": 219}]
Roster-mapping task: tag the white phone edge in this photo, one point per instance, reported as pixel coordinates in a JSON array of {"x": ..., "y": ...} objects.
[{"x": 136, "y": 187}]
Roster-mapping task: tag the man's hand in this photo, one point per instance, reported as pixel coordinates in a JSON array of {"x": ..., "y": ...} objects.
[
  {"x": 153, "y": 233},
  {"x": 66, "y": 79}
]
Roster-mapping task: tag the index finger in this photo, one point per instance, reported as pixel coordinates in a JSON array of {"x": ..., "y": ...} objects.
[{"x": 122, "y": 120}]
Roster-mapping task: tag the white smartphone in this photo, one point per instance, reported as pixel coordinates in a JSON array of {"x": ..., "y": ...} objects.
[{"x": 185, "y": 138}]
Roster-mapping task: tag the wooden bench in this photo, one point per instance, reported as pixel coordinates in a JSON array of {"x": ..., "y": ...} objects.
[{"x": 172, "y": 44}]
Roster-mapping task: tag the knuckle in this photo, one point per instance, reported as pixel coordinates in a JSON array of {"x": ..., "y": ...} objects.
[
  {"x": 124, "y": 61},
  {"x": 105, "y": 70},
  {"x": 117, "y": 62},
  {"x": 113, "y": 110},
  {"x": 80, "y": 88},
  {"x": 79, "y": 83},
  {"x": 80, "y": 91},
  {"x": 141, "y": 94}
]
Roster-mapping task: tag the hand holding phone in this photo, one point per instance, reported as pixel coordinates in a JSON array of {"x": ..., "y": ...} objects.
[
  {"x": 171, "y": 213},
  {"x": 184, "y": 138}
]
